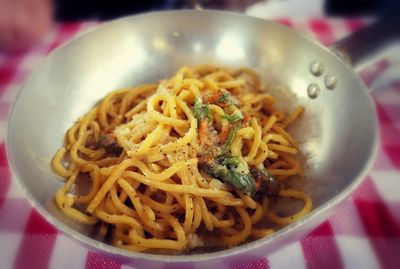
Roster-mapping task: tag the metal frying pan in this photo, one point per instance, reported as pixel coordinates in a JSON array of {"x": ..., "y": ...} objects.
[{"x": 338, "y": 134}]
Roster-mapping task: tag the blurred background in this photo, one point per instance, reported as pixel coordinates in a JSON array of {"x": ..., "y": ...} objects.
[
  {"x": 23, "y": 22},
  {"x": 106, "y": 9},
  {"x": 365, "y": 232}
]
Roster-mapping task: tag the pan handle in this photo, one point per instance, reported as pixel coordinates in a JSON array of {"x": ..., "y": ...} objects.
[{"x": 365, "y": 45}]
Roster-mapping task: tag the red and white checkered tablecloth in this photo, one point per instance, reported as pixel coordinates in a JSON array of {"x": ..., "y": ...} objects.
[{"x": 364, "y": 232}]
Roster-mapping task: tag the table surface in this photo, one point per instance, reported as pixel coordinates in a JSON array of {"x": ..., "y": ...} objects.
[{"x": 364, "y": 232}]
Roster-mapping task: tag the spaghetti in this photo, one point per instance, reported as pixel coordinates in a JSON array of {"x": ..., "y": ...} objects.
[{"x": 195, "y": 161}]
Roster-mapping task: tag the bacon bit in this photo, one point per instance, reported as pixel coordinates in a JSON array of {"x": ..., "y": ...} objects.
[
  {"x": 213, "y": 98},
  {"x": 258, "y": 185},
  {"x": 224, "y": 133},
  {"x": 223, "y": 105},
  {"x": 109, "y": 143},
  {"x": 207, "y": 159},
  {"x": 107, "y": 140},
  {"x": 247, "y": 118},
  {"x": 264, "y": 183},
  {"x": 203, "y": 131},
  {"x": 91, "y": 142}
]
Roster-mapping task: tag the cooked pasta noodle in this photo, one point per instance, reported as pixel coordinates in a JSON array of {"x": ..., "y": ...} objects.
[{"x": 191, "y": 162}]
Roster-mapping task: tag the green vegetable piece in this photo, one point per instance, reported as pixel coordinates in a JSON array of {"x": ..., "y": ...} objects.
[
  {"x": 233, "y": 118},
  {"x": 227, "y": 168},
  {"x": 242, "y": 182},
  {"x": 201, "y": 111},
  {"x": 227, "y": 98},
  {"x": 228, "y": 160},
  {"x": 231, "y": 136}
]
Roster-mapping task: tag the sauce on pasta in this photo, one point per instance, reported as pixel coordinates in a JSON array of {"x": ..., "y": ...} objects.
[{"x": 192, "y": 162}]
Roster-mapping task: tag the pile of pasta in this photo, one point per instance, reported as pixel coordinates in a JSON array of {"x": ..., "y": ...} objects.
[{"x": 148, "y": 156}]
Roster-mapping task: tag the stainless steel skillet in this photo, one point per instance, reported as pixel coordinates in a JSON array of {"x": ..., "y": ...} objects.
[{"x": 338, "y": 134}]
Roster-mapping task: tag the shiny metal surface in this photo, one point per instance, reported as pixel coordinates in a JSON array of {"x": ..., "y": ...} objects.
[{"x": 338, "y": 133}]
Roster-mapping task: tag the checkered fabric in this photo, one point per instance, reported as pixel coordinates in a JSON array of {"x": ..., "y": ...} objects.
[{"x": 364, "y": 232}]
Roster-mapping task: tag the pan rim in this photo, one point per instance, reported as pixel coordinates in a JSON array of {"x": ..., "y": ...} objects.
[{"x": 121, "y": 253}]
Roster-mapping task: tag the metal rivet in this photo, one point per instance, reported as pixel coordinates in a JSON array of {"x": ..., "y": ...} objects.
[
  {"x": 330, "y": 81},
  {"x": 316, "y": 68},
  {"x": 313, "y": 90}
]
